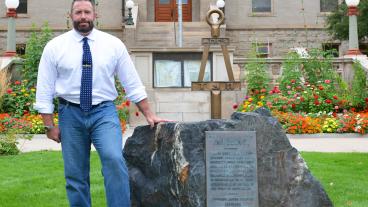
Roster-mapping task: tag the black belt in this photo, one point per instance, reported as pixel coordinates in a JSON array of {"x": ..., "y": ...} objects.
[{"x": 65, "y": 102}]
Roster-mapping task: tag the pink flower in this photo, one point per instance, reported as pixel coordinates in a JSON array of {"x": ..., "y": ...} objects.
[
  {"x": 9, "y": 91},
  {"x": 327, "y": 81},
  {"x": 336, "y": 107},
  {"x": 235, "y": 106},
  {"x": 17, "y": 82}
]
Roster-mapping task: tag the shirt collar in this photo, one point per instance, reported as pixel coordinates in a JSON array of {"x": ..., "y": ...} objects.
[{"x": 78, "y": 37}]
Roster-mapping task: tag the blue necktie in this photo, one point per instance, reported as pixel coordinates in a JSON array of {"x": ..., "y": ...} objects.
[{"x": 86, "y": 80}]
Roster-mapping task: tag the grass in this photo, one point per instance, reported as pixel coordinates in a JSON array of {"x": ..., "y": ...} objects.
[
  {"x": 343, "y": 175},
  {"x": 36, "y": 179}
]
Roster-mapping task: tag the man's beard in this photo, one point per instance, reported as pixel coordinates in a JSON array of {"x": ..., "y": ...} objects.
[{"x": 83, "y": 29}]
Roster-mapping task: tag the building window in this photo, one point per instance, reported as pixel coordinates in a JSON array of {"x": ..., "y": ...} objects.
[
  {"x": 178, "y": 69},
  {"x": 328, "y": 5},
  {"x": 263, "y": 49},
  {"x": 331, "y": 49},
  {"x": 22, "y": 8},
  {"x": 261, "y": 6},
  {"x": 21, "y": 49}
]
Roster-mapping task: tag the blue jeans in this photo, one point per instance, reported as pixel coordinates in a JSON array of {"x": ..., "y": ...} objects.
[{"x": 101, "y": 127}]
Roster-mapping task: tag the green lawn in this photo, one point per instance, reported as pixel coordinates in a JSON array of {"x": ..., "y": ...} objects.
[
  {"x": 36, "y": 179},
  {"x": 343, "y": 175}
]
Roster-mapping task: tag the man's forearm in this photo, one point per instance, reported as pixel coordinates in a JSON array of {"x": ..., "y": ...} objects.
[
  {"x": 48, "y": 119},
  {"x": 143, "y": 107}
]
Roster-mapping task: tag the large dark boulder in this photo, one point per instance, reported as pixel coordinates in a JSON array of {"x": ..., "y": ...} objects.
[{"x": 167, "y": 164}]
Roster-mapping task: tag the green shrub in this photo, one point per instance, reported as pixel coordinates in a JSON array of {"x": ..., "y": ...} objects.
[
  {"x": 19, "y": 99},
  {"x": 8, "y": 144},
  {"x": 35, "y": 44},
  {"x": 256, "y": 75},
  {"x": 359, "y": 88}
]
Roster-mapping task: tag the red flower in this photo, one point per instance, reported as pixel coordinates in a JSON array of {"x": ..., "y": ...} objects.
[
  {"x": 301, "y": 99},
  {"x": 328, "y": 101},
  {"x": 9, "y": 91},
  {"x": 315, "y": 97},
  {"x": 263, "y": 90},
  {"x": 335, "y": 97},
  {"x": 366, "y": 100},
  {"x": 293, "y": 81},
  {"x": 320, "y": 88},
  {"x": 17, "y": 82},
  {"x": 275, "y": 90},
  {"x": 293, "y": 106},
  {"x": 327, "y": 81},
  {"x": 316, "y": 102},
  {"x": 127, "y": 103},
  {"x": 235, "y": 106}
]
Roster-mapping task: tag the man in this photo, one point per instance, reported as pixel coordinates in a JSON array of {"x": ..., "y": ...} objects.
[{"x": 79, "y": 67}]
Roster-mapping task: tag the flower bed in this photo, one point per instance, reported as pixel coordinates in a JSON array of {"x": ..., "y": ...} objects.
[{"x": 301, "y": 123}]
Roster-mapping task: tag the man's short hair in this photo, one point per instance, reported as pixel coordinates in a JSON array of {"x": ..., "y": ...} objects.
[{"x": 92, "y": 2}]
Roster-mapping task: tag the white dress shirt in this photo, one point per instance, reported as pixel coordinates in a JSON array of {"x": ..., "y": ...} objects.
[{"x": 60, "y": 70}]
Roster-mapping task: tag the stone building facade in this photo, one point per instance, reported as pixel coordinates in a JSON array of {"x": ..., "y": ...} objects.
[{"x": 272, "y": 26}]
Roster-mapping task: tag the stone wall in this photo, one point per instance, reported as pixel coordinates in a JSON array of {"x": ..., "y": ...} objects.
[
  {"x": 281, "y": 40},
  {"x": 284, "y": 14},
  {"x": 182, "y": 104}
]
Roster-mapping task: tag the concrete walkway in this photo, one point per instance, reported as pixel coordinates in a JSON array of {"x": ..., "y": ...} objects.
[{"x": 308, "y": 143}]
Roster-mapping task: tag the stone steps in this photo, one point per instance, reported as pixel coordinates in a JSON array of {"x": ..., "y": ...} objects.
[{"x": 164, "y": 34}]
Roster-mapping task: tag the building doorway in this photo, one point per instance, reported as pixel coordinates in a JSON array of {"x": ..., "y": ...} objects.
[{"x": 167, "y": 10}]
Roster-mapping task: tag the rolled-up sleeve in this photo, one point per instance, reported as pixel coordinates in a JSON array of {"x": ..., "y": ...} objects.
[
  {"x": 129, "y": 78},
  {"x": 46, "y": 78}
]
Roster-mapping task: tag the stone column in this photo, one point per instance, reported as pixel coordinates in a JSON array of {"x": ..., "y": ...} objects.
[
  {"x": 11, "y": 46},
  {"x": 353, "y": 32}
]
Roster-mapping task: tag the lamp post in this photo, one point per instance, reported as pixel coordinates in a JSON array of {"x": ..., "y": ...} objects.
[
  {"x": 129, "y": 4},
  {"x": 353, "y": 27},
  {"x": 12, "y": 5}
]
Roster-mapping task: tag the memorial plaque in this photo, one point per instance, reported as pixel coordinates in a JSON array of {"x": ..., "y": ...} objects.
[{"x": 231, "y": 169}]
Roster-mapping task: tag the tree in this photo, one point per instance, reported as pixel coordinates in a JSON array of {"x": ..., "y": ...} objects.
[{"x": 338, "y": 21}]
